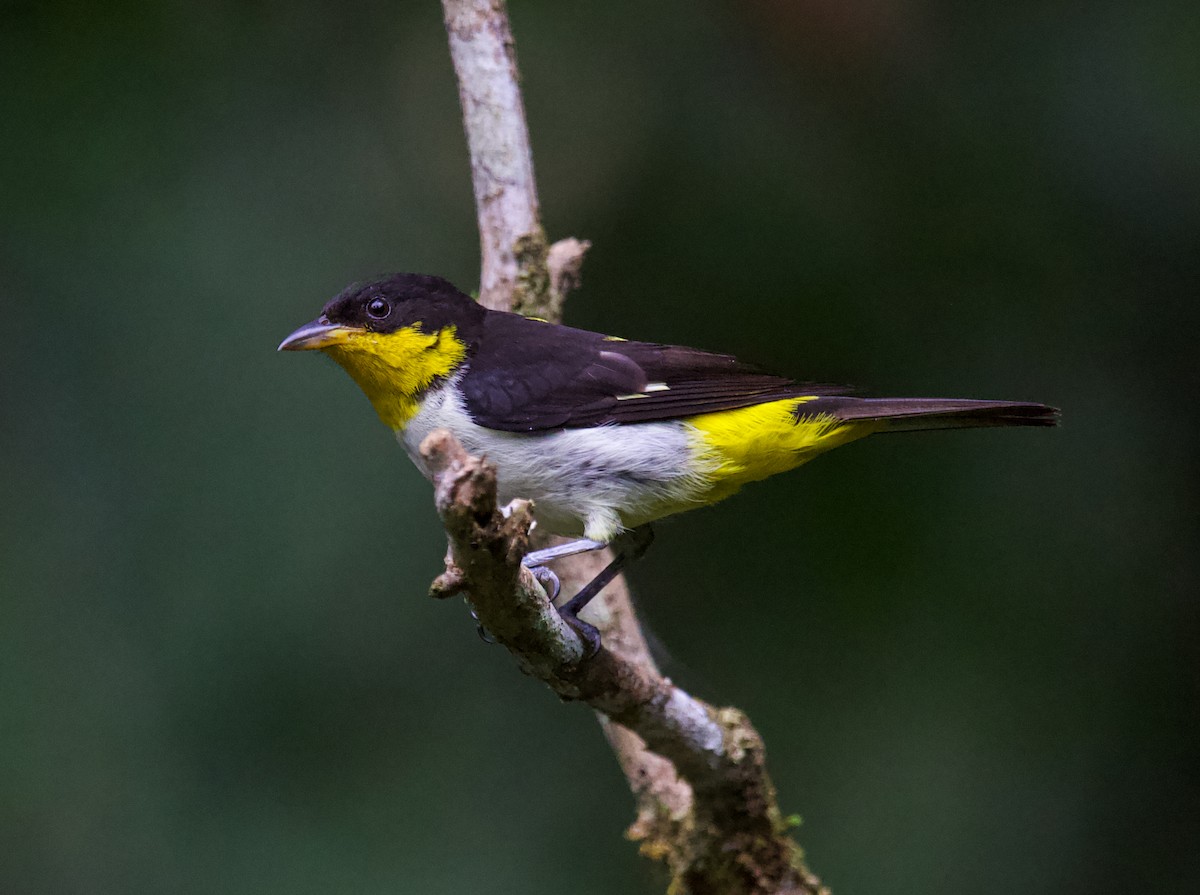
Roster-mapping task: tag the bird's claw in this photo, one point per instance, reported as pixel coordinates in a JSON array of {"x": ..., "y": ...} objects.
[
  {"x": 548, "y": 580},
  {"x": 588, "y": 634},
  {"x": 481, "y": 630}
]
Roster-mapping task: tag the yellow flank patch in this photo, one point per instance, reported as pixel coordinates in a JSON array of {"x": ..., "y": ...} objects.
[
  {"x": 752, "y": 443},
  {"x": 393, "y": 369}
]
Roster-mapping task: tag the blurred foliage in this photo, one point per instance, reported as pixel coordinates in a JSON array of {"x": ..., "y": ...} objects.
[{"x": 973, "y": 655}]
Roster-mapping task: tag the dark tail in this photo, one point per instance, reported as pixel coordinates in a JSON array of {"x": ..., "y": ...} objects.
[{"x": 913, "y": 414}]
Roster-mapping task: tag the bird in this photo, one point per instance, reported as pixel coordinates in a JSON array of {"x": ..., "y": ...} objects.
[{"x": 604, "y": 435}]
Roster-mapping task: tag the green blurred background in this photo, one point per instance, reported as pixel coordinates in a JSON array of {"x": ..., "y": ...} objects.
[{"x": 973, "y": 656}]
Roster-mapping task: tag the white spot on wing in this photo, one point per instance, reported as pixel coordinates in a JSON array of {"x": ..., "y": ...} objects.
[{"x": 650, "y": 387}]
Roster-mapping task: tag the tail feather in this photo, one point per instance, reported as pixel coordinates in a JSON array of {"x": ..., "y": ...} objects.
[{"x": 917, "y": 414}]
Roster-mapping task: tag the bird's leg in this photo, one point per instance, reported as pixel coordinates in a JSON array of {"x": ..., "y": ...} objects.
[
  {"x": 548, "y": 580},
  {"x": 536, "y": 558},
  {"x": 628, "y": 546}
]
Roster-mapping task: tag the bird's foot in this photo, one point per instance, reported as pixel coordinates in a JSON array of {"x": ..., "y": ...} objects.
[
  {"x": 553, "y": 587},
  {"x": 482, "y": 631},
  {"x": 628, "y": 546},
  {"x": 589, "y": 635},
  {"x": 548, "y": 580}
]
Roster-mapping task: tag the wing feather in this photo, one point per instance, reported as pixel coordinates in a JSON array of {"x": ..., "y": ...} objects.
[{"x": 529, "y": 376}]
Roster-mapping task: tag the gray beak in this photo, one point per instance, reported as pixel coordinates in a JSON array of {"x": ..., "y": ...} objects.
[{"x": 320, "y": 333}]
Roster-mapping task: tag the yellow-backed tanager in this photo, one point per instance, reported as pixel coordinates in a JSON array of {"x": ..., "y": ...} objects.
[{"x": 604, "y": 435}]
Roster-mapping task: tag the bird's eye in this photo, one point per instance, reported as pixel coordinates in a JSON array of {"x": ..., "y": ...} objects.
[{"x": 378, "y": 308}]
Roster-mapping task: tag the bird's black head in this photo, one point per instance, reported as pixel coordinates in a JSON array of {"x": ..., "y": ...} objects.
[
  {"x": 397, "y": 337},
  {"x": 403, "y": 300}
]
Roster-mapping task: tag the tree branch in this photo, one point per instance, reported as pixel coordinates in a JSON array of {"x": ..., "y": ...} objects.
[
  {"x": 706, "y": 806},
  {"x": 731, "y": 837}
]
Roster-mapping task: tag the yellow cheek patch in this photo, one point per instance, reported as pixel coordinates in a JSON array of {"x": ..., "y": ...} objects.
[
  {"x": 394, "y": 369},
  {"x": 752, "y": 443}
]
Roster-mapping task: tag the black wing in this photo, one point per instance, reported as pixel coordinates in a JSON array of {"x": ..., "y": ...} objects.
[{"x": 528, "y": 376}]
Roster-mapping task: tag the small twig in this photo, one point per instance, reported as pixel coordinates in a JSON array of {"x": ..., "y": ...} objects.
[{"x": 565, "y": 261}]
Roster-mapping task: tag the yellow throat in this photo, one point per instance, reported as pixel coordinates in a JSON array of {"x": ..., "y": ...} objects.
[{"x": 394, "y": 369}]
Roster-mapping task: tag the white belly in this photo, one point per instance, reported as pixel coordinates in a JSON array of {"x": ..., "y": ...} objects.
[{"x": 593, "y": 482}]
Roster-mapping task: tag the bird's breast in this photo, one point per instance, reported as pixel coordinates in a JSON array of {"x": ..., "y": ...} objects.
[{"x": 599, "y": 479}]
